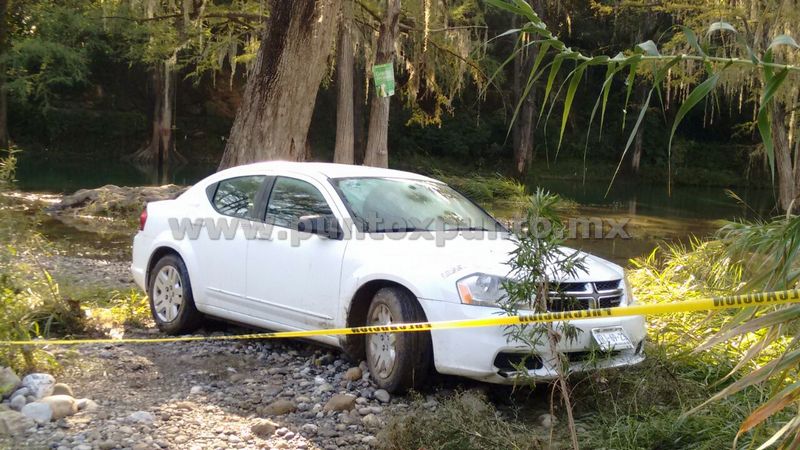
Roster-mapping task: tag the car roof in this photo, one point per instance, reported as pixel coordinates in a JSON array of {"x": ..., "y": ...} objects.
[{"x": 321, "y": 170}]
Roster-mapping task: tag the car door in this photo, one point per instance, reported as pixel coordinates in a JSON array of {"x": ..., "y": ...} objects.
[
  {"x": 294, "y": 275},
  {"x": 221, "y": 247}
]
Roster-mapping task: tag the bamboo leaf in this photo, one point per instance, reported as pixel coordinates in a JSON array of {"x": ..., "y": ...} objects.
[
  {"x": 790, "y": 425},
  {"x": 610, "y": 72},
  {"x": 528, "y": 11},
  {"x": 767, "y": 320},
  {"x": 532, "y": 77},
  {"x": 783, "y": 39},
  {"x": 788, "y": 360},
  {"x": 518, "y": 7},
  {"x": 783, "y": 399},
  {"x": 764, "y": 116},
  {"x": 649, "y": 48},
  {"x": 700, "y": 92},
  {"x": 691, "y": 38},
  {"x": 550, "y": 78},
  {"x": 506, "y": 33},
  {"x": 573, "y": 86},
  {"x": 629, "y": 81},
  {"x": 720, "y": 26},
  {"x": 630, "y": 139}
]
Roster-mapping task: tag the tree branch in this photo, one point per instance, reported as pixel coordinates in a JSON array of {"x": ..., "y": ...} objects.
[{"x": 230, "y": 16}]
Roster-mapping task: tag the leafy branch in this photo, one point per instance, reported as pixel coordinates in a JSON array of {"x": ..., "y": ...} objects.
[{"x": 774, "y": 74}]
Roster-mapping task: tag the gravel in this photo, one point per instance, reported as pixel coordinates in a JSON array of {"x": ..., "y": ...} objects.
[{"x": 254, "y": 394}]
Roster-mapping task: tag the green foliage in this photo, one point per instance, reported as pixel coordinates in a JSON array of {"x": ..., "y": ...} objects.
[
  {"x": 497, "y": 190},
  {"x": 31, "y": 303},
  {"x": 8, "y": 167},
  {"x": 50, "y": 50},
  {"x": 753, "y": 352},
  {"x": 646, "y": 55},
  {"x": 463, "y": 421}
]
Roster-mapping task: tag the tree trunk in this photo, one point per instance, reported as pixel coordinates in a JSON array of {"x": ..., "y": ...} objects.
[
  {"x": 377, "y": 152},
  {"x": 160, "y": 150},
  {"x": 523, "y": 125},
  {"x": 343, "y": 150},
  {"x": 787, "y": 184},
  {"x": 359, "y": 100},
  {"x": 275, "y": 114},
  {"x": 638, "y": 149},
  {"x": 638, "y": 141},
  {"x": 3, "y": 94}
]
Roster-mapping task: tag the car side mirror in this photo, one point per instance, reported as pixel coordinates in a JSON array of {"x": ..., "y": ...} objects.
[{"x": 325, "y": 225}]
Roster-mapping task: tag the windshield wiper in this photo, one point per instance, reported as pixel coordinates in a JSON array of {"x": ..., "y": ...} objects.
[{"x": 468, "y": 229}]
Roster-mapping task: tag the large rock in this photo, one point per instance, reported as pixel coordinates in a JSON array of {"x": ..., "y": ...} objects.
[
  {"x": 144, "y": 417},
  {"x": 39, "y": 384},
  {"x": 8, "y": 381},
  {"x": 17, "y": 402},
  {"x": 62, "y": 405},
  {"x": 113, "y": 200},
  {"x": 340, "y": 402},
  {"x": 40, "y": 412},
  {"x": 382, "y": 395},
  {"x": 279, "y": 407},
  {"x": 264, "y": 428},
  {"x": 13, "y": 423},
  {"x": 353, "y": 374},
  {"x": 62, "y": 389},
  {"x": 87, "y": 404}
]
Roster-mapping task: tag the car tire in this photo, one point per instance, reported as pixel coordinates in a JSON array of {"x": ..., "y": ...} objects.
[
  {"x": 397, "y": 361},
  {"x": 171, "y": 300}
]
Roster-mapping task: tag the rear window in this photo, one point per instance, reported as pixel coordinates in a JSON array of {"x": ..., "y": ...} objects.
[{"x": 236, "y": 197}]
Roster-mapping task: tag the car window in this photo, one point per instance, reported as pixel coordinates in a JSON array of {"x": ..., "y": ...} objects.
[
  {"x": 237, "y": 196},
  {"x": 397, "y": 204},
  {"x": 292, "y": 199}
]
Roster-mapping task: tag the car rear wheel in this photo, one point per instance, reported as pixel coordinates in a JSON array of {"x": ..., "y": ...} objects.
[
  {"x": 171, "y": 301},
  {"x": 397, "y": 361}
]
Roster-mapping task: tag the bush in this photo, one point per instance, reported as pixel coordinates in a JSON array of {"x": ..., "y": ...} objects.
[
  {"x": 8, "y": 167},
  {"x": 31, "y": 305},
  {"x": 487, "y": 190}
]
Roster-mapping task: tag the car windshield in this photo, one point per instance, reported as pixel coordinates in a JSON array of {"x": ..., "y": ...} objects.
[{"x": 401, "y": 204}]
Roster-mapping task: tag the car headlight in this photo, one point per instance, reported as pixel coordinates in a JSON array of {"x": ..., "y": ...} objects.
[
  {"x": 481, "y": 289},
  {"x": 629, "y": 298}
]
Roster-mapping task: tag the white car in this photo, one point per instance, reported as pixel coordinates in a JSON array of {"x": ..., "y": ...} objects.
[{"x": 303, "y": 246}]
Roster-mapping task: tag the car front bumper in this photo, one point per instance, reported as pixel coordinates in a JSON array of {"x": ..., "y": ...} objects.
[{"x": 484, "y": 353}]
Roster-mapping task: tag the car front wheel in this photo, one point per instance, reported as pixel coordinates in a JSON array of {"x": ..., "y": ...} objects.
[
  {"x": 397, "y": 361},
  {"x": 171, "y": 301}
]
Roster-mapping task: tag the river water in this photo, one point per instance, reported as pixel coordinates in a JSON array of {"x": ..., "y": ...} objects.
[{"x": 650, "y": 214}]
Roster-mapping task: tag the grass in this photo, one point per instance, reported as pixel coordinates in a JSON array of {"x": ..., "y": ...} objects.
[
  {"x": 464, "y": 421},
  {"x": 33, "y": 304}
]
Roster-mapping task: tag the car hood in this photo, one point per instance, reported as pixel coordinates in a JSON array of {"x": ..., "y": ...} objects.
[{"x": 431, "y": 265}]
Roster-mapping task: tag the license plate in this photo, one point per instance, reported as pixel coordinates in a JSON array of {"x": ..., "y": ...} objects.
[{"x": 611, "y": 338}]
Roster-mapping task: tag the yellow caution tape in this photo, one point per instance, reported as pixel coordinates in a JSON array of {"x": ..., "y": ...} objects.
[{"x": 706, "y": 304}]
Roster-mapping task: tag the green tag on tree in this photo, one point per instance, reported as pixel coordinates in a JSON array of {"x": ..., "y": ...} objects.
[{"x": 384, "y": 79}]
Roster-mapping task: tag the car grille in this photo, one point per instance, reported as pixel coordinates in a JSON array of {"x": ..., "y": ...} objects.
[
  {"x": 508, "y": 362},
  {"x": 578, "y": 296}
]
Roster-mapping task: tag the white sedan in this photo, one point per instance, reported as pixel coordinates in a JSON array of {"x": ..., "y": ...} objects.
[{"x": 303, "y": 246}]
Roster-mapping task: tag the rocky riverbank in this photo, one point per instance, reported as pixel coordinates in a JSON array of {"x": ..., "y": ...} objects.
[
  {"x": 193, "y": 395},
  {"x": 210, "y": 395}
]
